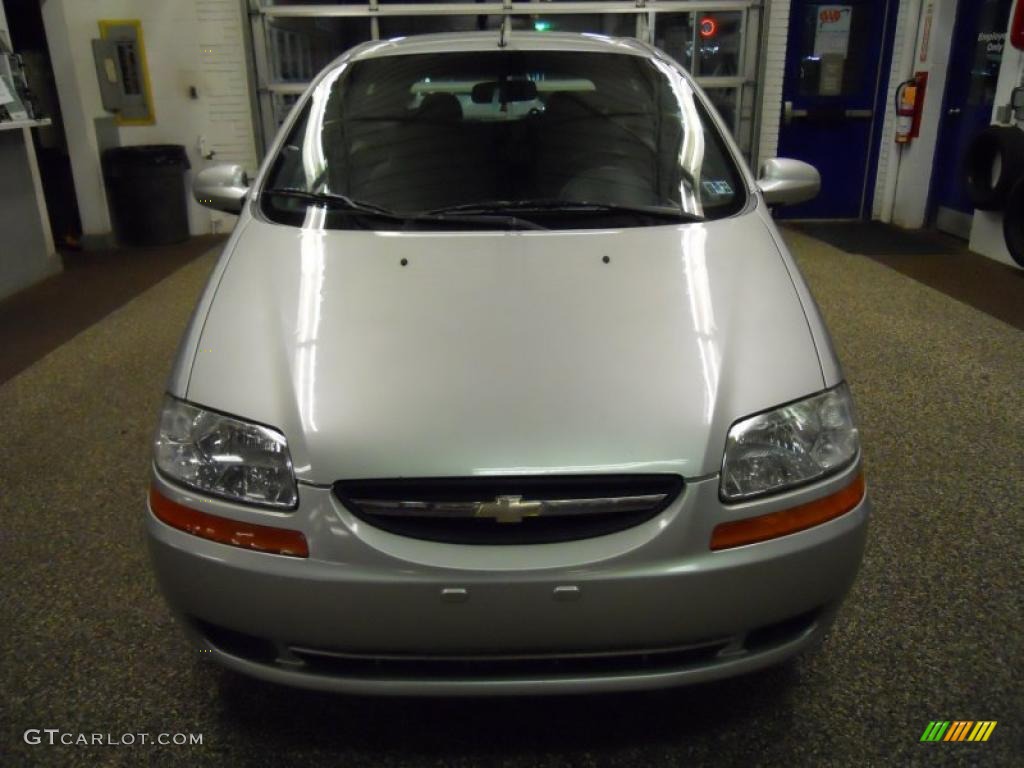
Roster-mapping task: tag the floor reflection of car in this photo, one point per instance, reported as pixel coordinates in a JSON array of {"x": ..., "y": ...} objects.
[{"x": 505, "y": 383}]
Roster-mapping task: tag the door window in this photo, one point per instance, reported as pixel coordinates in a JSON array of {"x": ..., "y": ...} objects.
[
  {"x": 833, "y": 41},
  {"x": 988, "y": 52},
  {"x": 707, "y": 44},
  {"x": 718, "y": 44}
]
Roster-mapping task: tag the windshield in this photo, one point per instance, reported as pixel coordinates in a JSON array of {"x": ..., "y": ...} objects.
[{"x": 500, "y": 139}]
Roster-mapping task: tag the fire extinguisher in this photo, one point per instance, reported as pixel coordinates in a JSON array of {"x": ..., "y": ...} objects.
[
  {"x": 906, "y": 97},
  {"x": 909, "y": 102},
  {"x": 1017, "y": 27}
]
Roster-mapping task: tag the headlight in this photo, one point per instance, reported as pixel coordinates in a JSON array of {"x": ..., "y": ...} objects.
[
  {"x": 224, "y": 456},
  {"x": 789, "y": 446}
]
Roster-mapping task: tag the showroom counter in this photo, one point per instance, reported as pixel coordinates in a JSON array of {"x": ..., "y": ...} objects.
[{"x": 27, "y": 254}]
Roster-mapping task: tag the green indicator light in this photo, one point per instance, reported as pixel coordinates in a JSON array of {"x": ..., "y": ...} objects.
[{"x": 542, "y": 26}]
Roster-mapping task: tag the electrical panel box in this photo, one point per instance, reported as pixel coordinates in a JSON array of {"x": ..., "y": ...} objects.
[{"x": 122, "y": 72}]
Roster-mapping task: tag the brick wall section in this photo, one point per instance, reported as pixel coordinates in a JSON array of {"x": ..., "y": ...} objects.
[
  {"x": 228, "y": 120},
  {"x": 774, "y": 71}
]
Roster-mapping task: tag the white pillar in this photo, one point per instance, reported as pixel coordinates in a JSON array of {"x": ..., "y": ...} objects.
[
  {"x": 70, "y": 45},
  {"x": 905, "y": 200}
]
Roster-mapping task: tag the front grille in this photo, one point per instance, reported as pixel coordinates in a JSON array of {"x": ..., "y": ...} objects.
[
  {"x": 382, "y": 666},
  {"x": 509, "y": 510},
  {"x": 505, "y": 667}
]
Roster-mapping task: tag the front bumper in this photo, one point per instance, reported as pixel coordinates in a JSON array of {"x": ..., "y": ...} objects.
[{"x": 370, "y": 612}]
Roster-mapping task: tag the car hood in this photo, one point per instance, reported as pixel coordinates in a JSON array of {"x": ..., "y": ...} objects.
[{"x": 386, "y": 354}]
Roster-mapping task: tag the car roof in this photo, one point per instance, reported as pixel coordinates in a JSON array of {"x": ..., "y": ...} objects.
[{"x": 454, "y": 42}]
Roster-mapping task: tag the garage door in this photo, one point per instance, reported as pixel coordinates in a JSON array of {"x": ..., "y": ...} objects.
[{"x": 716, "y": 41}]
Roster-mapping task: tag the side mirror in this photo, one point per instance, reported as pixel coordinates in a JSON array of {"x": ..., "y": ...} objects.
[
  {"x": 221, "y": 187},
  {"x": 785, "y": 182}
]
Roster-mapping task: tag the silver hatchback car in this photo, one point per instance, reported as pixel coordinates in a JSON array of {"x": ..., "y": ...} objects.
[{"x": 505, "y": 383}]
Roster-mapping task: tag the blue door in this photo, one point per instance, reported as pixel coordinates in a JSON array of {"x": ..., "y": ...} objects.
[
  {"x": 978, "y": 40},
  {"x": 837, "y": 71}
]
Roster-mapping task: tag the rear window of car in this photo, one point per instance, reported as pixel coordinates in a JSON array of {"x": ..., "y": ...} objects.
[{"x": 620, "y": 139}]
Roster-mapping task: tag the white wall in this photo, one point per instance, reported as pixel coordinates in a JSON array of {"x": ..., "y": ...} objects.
[
  {"x": 987, "y": 226},
  {"x": 907, "y": 173},
  {"x": 188, "y": 43},
  {"x": 903, "y": 60},
  {"x": 4, "y": 34},
  {"x": 79, "y": 96}
]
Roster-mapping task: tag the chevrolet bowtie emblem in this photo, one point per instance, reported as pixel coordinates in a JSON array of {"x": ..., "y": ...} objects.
[{"x": 509, "y": 509}]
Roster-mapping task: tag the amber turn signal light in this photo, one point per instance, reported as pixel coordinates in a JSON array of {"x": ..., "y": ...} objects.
[
  {"x": 262, "y": 538},
  {"x": 787, "y": 521}
]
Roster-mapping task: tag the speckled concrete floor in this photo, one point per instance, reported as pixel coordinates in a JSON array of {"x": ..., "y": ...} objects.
[{"x": 932, "y": 629}]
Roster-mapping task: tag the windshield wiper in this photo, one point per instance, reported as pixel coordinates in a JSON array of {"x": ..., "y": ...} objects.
[
  {"x": 334, "y": 200},
  {"x": 347, "y": 204},
  {"x": 571, "y": 206},
  {"x": 476, "y": 217}
]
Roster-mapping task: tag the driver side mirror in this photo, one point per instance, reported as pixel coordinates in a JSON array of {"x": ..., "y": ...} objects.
[
  {"x": 221, "y": 187},
  {"x": 784, "y": 181}
]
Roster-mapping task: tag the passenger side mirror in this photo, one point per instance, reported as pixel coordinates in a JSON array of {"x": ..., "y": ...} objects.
[
  {"x": 784, "y": 181},
  {"x": 221, "y": 187}
]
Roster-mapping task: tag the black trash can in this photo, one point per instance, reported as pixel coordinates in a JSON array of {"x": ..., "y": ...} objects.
[{"x": 146, "y": 189}]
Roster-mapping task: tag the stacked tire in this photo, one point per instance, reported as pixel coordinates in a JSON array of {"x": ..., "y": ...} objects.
[{"x": 993, "y": 176}]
